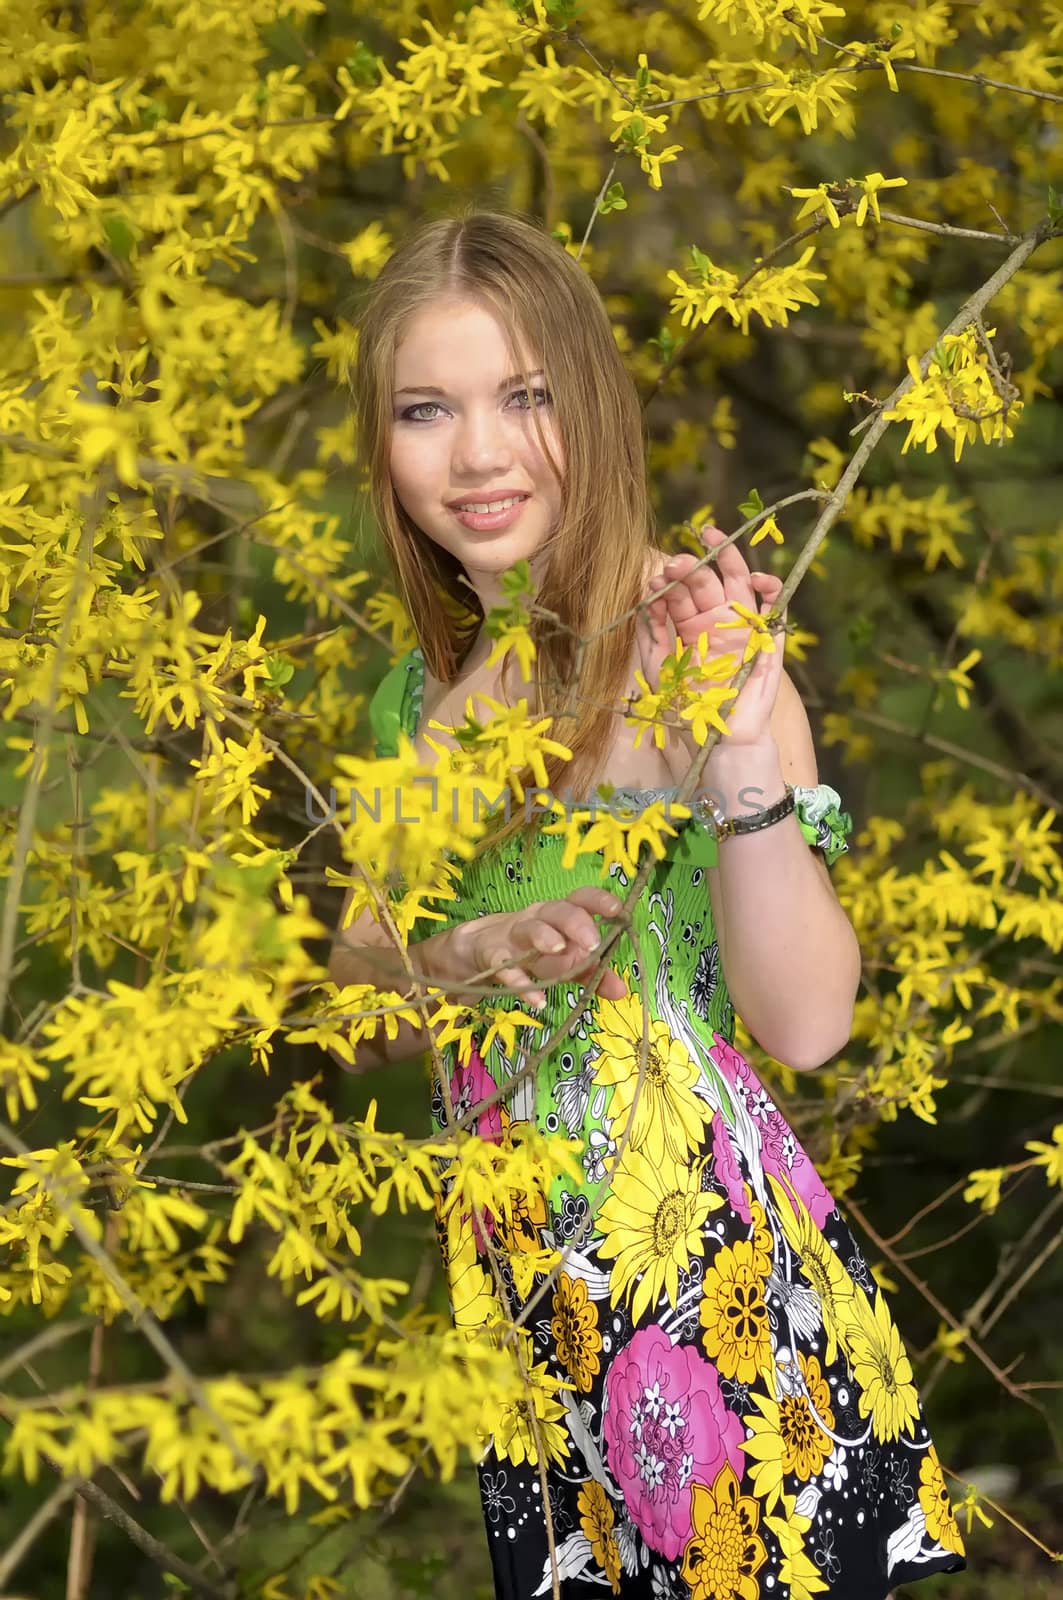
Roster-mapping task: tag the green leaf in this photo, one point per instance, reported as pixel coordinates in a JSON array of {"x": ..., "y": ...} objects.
[
  {"x": 700, "y": 261},
  {"x": 516, "y": 580},
  {"x": 664, "y": 343},
  {"x": 861, "y": 631},
  {"x": 752, "y": 505},
  {"x": 120, "y": 236},
  {"x": 613, "y": 199},
  {"x": 362, "y": 64},
  {"x": 280, "y": 671},
  {"x": 563, "y": 12}
]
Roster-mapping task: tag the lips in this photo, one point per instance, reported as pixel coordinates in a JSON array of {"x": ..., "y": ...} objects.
[
  {"x": 479, "y": 501},
  {"x": 491, "y": 521}
]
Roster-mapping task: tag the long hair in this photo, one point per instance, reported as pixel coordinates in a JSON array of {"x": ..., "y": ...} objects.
[{"x": 594, "y": 561}]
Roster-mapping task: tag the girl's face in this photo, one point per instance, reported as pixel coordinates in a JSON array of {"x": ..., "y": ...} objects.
[{"x": 463, "y": 433}]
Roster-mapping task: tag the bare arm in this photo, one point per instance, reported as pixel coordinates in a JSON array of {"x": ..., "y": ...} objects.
[
  {"x": 466, "y": 961},
  {"x": 376, "y": 961}
]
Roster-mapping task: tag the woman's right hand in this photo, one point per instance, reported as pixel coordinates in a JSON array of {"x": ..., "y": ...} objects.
[{"x": 546, "y": 941}]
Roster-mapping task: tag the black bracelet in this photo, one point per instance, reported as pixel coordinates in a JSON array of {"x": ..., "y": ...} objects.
[{"x": 723, "y": 827}]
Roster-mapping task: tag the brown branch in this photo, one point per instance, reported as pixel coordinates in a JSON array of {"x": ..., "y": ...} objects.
[
  {"x": 167, "y": 1560},
  {"x": 141, "y": 1317},
  {"x": 55, "y": 1333},
  {"x": 933, "y": 741},
  {"x": 945, "y": 1314},
  {"x": 21, "y": 1546}
]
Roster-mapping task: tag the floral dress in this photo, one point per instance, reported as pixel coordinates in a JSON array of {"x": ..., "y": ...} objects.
[{"x": 740, "y": 1420}]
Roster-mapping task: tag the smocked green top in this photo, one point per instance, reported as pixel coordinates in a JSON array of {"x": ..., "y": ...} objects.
[{"x": 672, "y": 922}]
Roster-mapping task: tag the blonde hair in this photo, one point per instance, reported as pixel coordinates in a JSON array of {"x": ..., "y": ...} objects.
[{"x": 594, "y": 562}]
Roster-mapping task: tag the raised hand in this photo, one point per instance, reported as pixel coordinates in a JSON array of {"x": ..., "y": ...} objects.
[{"x": 704, "y": 601}]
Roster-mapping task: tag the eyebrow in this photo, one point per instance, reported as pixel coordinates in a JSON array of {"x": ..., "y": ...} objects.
[{"x": 427, "y": 388}]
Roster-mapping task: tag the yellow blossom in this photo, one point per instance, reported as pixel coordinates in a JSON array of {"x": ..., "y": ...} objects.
[
  {"x": 1050, "y": 1156},
  {"x": 984, "y": 1186},
  {"x": 872, "y": 185}
]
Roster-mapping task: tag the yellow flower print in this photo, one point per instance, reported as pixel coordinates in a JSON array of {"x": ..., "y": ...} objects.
[
  {"x": 516, "y": 1430},
  {"x": 941, "y": 1521},
  {"x": 881, "y": 1367},
  {"x": 722, "y": 1559},
  {"x": 761, "y": 1238},
  {"x": 766, "y": 1449},
  {"x": 737, "y": 1337},
  {"x": 472, "y": 1297},
  {"x": 652, "y": 1224},
  {"x": 821, "y": 1268},
  {"x": 574, "y": 1326},
  {"x": 805, "y": 1445},
  {"x": 799, "y": 1576},
  {"x": 596, "y": 1519},
  {"x": 668, "y": 1118}
]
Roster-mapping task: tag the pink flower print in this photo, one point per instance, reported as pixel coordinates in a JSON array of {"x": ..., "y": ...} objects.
[
  {"x": 726, "y": 1170},
  {"x": 469, "y": 1084},
  {"x": 666, "y": 1425},
  {"x": 780, "y": 1152}
]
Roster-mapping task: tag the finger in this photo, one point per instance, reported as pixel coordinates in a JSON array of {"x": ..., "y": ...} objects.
[
  {"x": 701, "y": 583},
  {"x": 593, "y": 898},
  {"x": 768, "y": 586},
  {"x": 611, "y": 985},
  {"x": 541, "y": 937},
  {"x": 651, "y": 638},
  {"x": 519, "y": 981},
  {"x": 732, "y": 566},
  {"x": 655, "y": 621}
]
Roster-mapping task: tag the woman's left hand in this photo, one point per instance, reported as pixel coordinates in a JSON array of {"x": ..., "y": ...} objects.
[{"x": 698, "y": 602}]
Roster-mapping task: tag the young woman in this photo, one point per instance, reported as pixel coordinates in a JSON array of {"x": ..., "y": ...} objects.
[{"x": 740, "y": 1419}]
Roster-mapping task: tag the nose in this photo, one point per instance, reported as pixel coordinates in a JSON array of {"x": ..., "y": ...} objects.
[{"x": 482, "y": 444}]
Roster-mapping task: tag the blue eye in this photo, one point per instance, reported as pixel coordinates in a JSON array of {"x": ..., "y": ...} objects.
[{"x": 541, "y": 396}]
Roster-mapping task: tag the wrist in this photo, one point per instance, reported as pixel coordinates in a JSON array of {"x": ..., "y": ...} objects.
[
  {"x": 446, "y": 957},
  {"x": 440, "y": 957},
  {"x": 741, "y": 779}
]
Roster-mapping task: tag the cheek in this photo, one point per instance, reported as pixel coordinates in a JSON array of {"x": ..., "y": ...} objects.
[
  {"x": 409, "y": 463},
  {"x": 556, "y": 451}
]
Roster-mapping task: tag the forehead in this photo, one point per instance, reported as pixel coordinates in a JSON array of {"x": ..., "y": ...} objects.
[{"x": 458, "y": 341}]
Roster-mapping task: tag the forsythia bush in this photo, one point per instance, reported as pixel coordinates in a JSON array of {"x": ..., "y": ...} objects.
[{"x": 837, "y": 221}]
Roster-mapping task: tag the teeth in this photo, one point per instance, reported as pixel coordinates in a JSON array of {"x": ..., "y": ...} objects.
[{"x": 491, "y": 505}]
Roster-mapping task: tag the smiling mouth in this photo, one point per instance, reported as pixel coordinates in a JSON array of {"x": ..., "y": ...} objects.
[{"x": 486, "y": 507}]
